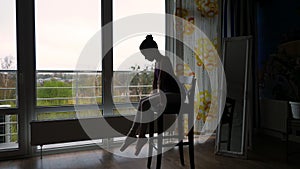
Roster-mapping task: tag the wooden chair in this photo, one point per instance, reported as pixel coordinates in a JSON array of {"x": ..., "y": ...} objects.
[{"x": 188, "y": 108}]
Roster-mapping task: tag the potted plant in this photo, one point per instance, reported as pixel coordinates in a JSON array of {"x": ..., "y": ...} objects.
[
  {"x": 281, "y": 76},
  {"x": 294, "y": 77},
  {"x": 287, "y": 68}
]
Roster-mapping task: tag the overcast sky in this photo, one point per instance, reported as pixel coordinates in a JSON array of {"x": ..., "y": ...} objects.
[
  {"x": 8, "y": 29},
  {"x": 63, "y": 27}
]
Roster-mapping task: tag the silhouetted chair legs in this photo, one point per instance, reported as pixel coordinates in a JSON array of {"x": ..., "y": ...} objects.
[
  {"x": 160, "y": 145},
  {"x": 187, "y": 109}
]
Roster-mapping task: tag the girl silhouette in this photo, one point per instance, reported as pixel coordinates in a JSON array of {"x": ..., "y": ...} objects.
[{"x": 165, "y": 96}]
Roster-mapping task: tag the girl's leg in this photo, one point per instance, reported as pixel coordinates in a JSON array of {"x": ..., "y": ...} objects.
[
  {"x": 135, "y": 128},
  {"x": 146, "y": 117}
]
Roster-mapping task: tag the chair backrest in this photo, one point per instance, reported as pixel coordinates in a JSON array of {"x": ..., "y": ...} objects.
[{"x": 189, "y": 92}]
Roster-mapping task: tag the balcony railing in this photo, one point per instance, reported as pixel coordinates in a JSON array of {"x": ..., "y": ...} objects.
[
  {"x": 8, "y": 131},
  {"x": 8, "y": 88},
  {"x": 65, "y": 87}
]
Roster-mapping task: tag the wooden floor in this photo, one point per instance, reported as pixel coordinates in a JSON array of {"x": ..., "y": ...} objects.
[{"x": 265, "y": 156}]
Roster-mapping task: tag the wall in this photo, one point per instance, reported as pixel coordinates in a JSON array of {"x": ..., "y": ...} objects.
[
  {"x": 278, "y": 22},
  {"x": 277, "y": 19}
]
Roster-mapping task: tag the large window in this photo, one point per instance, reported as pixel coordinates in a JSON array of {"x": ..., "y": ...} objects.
[
  {"x": 61, "y": 29},
  {"x": 128, "y": 62},
  {"x": 8, "y": 54},
  {"x": 60, "y": 38},
  {"x": 8, "y": 76}
]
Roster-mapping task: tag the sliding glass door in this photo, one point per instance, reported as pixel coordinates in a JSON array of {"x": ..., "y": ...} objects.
[
  {"x": 128, "y": 62},
  {"x": 41, "y": 42},
  {"x": 11, "y": 111},
  {"x": 60, "y": 38}
]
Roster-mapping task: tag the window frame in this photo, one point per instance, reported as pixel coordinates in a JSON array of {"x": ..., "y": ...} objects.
[
  {"x": 27, "y": 87},
  {"x": 107, "y": 106}
]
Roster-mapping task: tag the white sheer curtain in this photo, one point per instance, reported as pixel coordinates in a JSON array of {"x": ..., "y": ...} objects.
[{"x": 198, "y": 32}]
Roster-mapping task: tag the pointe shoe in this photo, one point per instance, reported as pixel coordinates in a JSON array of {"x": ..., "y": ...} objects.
[
  {"x": 128, "y": 141},
  {"x": 139, "y": 145}
]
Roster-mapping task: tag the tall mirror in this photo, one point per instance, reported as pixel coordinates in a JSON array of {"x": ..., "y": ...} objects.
[{"x": 231, "y": 135}]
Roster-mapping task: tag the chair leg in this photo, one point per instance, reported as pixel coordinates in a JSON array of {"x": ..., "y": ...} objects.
[
  {"x": 149, "y": 160},
  {"x": 160, "y": 127},
  {"x": 159, "y": 152},
  {"x": 191, "y": 147},
  {"x": 180, "y": 138},
  {"x": 158, "y": 162},
  {"x": 150, "y": 150},
  {"x": 180, "y": 144}
]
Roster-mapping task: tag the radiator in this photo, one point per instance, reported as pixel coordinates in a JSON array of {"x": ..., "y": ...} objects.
[
  {"x": 70, "y": 130},
  {"x": 61, "y": 131}
]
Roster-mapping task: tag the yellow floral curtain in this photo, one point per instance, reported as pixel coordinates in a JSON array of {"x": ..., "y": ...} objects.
[{"x": 201, "y": 60}]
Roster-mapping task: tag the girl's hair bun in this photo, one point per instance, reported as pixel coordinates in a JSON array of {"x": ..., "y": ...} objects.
[
  {"x": 148, "y": 43},
  {"x": 149, "y": 37}
]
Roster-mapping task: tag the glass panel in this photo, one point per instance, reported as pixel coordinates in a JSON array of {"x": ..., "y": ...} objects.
[
  {"x": 60, "y": 38},
  {"x": 140, "y": 85},
  {"x": 56, "y": 115},
  {"x": 124, "y": 111},
  {"x": 127, "y": 8},
  {"x": 119, "y": 139},
  {"x": 71, "y": 144},
  {"x": 132, "y": 73},
  {"x": 8, "y": 54},
  {"x": 8, "y": 132},
  {"x": 58, "y": 88},
  {"x": 89, "y": 114},
  {"x": 69, "y": 115}
]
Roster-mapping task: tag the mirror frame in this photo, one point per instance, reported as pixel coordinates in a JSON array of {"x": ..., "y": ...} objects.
[{"x": 244, "y": 144}]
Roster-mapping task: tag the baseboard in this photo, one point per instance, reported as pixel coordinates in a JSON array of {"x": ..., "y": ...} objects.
[
  {"x": 272, "y": 133},
  {"x": 278, "y": 134}
]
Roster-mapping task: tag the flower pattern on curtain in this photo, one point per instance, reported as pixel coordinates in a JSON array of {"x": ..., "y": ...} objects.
[{"x": 202, "y": 14}]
